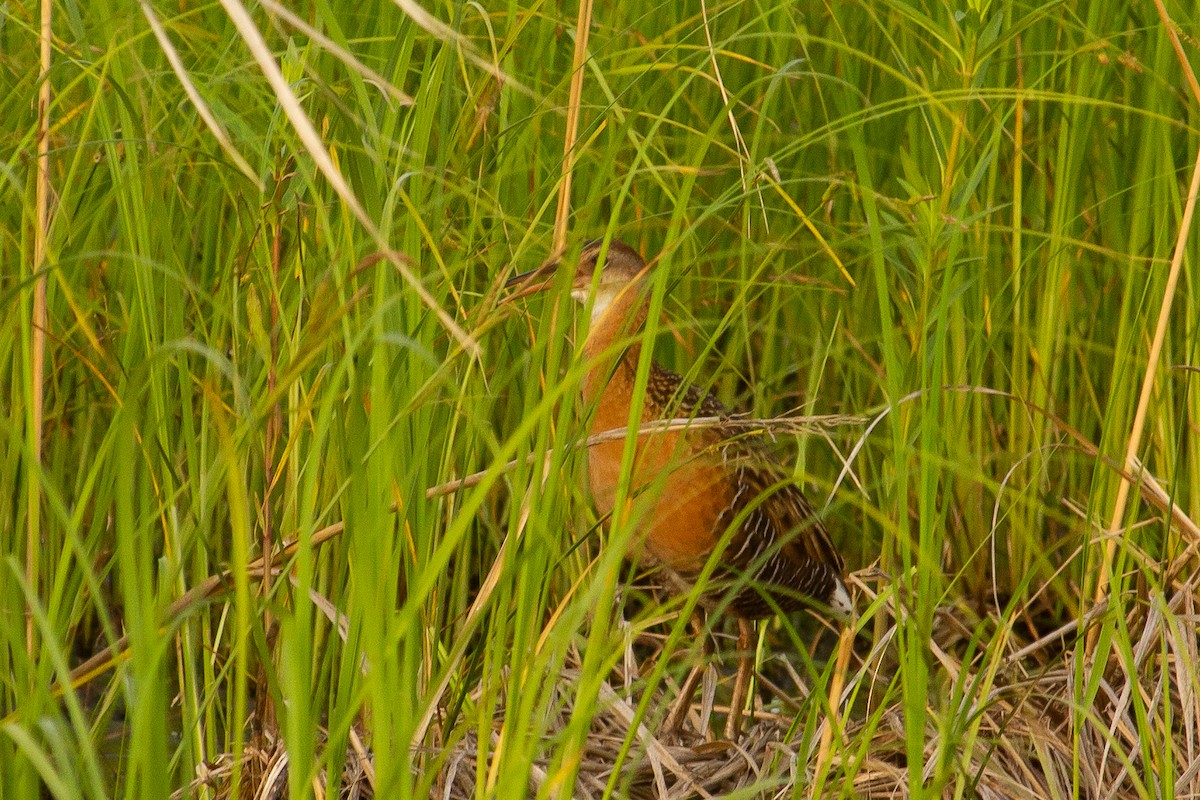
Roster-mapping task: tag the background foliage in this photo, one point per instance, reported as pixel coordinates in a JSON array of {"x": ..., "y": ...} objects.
[{"x": 854, "y": 207}]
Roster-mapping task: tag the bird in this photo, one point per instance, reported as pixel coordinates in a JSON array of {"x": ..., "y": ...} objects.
[{"x": 710, "y": 484}]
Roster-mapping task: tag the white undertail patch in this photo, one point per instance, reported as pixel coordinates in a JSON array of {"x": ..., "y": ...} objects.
[{"x": 840, "y": 600}]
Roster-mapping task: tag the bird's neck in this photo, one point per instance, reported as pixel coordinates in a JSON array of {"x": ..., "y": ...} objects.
[{"x": 610, "y": 349}]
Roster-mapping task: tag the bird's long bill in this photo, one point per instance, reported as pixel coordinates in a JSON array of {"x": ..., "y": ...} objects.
[{"x": 532, "y": 282}]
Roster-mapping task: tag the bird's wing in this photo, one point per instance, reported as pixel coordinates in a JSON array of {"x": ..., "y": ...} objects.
[
  {"x": 674, "y": 397},
  {"x": 795, "y": 528}
]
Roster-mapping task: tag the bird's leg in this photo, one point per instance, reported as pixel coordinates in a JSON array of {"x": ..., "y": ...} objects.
[
  {"x": 741, "y": 685},
  {"x": 683, "y": 703}
]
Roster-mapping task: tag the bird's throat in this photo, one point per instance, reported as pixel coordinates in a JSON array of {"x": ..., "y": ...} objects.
[{"x": 611, "y": 348}]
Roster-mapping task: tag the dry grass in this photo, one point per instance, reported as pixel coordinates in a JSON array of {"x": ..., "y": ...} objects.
[{"x": 1033, "y": 733}]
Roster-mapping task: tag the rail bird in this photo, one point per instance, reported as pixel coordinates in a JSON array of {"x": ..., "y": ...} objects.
[{"x": 709, "y": 485}]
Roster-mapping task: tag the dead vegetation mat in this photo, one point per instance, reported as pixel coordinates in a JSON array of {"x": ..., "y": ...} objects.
[{"x": 999, "y": 723}]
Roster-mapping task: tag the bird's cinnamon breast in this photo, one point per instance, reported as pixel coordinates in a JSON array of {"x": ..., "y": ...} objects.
[{"x": 675, "y": 499}]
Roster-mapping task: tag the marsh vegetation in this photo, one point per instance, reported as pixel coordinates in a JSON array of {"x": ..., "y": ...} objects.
[{"x": 294, "y": 499}]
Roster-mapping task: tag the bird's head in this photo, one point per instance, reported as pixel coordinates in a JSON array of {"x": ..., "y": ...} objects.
[{"x": 620, "y": 269}]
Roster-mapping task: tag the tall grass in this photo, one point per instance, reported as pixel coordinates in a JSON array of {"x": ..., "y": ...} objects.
[{"x": 950, "y": 226}]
